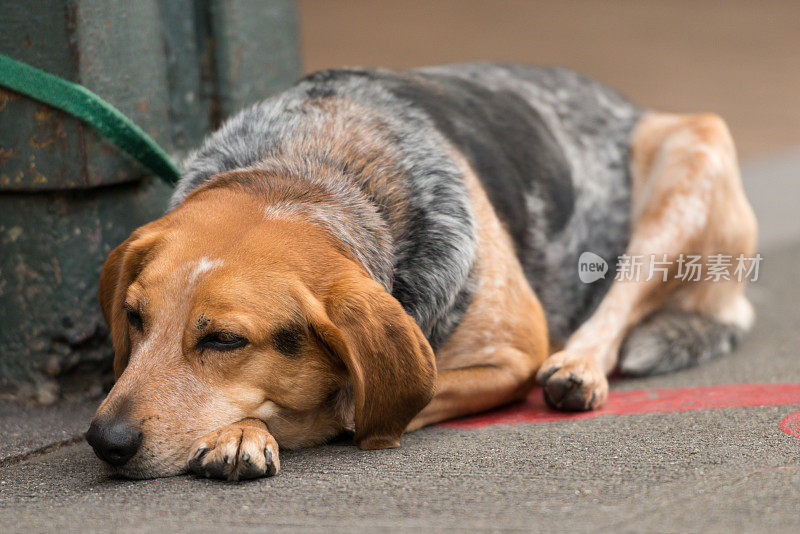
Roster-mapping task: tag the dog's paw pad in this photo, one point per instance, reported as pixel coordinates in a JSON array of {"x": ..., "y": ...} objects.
[
  {"x": 235, "y": 452},
  {"x": 572, "y": 383}
]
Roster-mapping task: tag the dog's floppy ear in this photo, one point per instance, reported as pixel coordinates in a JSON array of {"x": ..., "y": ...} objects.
[
  {"x": 389, "y": 361},
  {"x": 120, "y": 269}
]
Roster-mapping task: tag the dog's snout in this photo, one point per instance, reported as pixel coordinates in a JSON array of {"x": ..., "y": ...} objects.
[{"x": 114, "y": 440}]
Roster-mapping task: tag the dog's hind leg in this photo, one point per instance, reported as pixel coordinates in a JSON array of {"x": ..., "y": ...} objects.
[{"x": 687, "y": 200}]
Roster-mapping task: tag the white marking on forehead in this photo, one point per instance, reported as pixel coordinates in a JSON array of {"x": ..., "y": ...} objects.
[
  {"x": 160, "y": 339},
  {"x": 203, "y": 265}
]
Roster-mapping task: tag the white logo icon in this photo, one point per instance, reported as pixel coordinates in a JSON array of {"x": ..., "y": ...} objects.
[{"x": 591, "y": 267}]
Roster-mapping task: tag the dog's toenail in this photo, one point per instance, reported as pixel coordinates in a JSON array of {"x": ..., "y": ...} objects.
[
  {"x": 200, "y": 452},
  {"x": 547, "y": 374},
  {"x": 228, "y": 460},
  {"x": 268, "y": 455},
  {"x": 245, "y": 457}
]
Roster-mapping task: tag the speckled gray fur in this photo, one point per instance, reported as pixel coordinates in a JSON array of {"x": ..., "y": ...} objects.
[
  {"x": 565, "y": 190},
  {"x": 592, "y": 125}
]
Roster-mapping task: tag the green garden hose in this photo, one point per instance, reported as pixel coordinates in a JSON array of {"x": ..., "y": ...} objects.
[{"x": 91, "y": 109}]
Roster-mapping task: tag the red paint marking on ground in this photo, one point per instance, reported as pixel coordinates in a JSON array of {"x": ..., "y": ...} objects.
[
  {"x": 791, "y": 424},
  {"x": 534, "y": 410}
]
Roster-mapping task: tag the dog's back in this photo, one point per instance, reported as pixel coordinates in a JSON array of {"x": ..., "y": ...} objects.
[{"x": 549, "y": 146}]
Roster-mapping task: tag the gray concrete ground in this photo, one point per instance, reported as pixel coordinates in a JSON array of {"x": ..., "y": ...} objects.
[{"x": 715, "y": 471}]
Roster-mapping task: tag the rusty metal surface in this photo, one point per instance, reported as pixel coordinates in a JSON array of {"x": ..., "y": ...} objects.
[
  {"x": 121, "y": 57},
  {"x": 114, "y": 48},
  {"x": 189, "y": 74},
  {"x": 256, "y": 49},
  {"x": 29, "y": 129}
]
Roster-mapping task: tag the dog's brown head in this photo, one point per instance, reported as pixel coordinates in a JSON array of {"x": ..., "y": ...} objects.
[{"x": 219, "y": 314}]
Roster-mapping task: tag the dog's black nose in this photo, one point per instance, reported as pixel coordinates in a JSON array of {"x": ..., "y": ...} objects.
[{"x": 114, "y": 440}]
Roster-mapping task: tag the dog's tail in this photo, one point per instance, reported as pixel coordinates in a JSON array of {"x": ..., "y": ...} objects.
[{"x": 670, "y": 340}]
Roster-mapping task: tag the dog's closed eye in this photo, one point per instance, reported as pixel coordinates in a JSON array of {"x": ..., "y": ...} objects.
[
  {"x": 135, "y": 319},
  {"x": 222, "y": 341}
]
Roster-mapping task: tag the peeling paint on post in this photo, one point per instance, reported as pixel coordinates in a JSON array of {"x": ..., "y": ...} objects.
[
  {"x": 95, "y": 43},
  {"x": 67, "y": 196}
]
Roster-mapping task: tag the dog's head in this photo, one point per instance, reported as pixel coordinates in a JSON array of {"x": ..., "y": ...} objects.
[{"x": 218, "y": 314}]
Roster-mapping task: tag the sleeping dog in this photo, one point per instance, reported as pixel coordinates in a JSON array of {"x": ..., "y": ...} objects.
[{"x": 375, "y": 251}]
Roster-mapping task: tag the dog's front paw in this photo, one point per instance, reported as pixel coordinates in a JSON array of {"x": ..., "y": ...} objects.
[
  {"x": 572, "y": 383},
  {"x": 238, "y": 451}
]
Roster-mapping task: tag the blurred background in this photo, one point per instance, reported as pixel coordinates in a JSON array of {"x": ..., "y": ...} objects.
[{"x": 738, "y": 58}]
